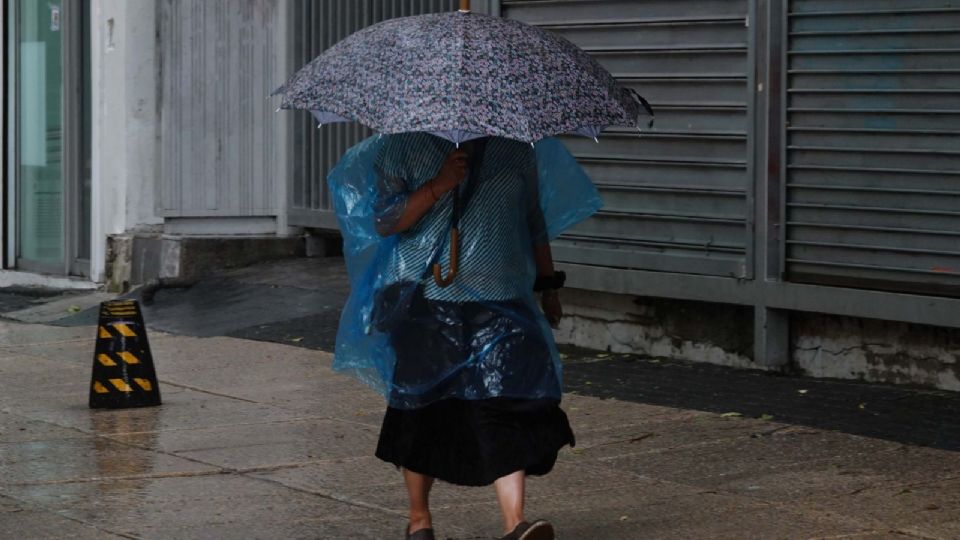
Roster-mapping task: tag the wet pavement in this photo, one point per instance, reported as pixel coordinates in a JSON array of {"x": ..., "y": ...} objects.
[{"x": 259, "y": 438}]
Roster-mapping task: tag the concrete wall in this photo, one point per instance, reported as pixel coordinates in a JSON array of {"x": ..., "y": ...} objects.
[
  {"x": 874, "y": 350},
  {"x": 700, "y": 331},
  {"x": 125, "y": 70},
  {"x": 820, "y": 345}
]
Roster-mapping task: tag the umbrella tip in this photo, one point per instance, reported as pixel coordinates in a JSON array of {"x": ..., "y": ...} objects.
[
  {"x": 596, "y": 140},
  {"x": 320, "y": 125},
  {"x": 278, "y": 109}
]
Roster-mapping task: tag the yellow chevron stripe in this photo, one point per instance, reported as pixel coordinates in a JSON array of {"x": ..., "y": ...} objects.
[
  {"x": 103, "y": 333},
  {"x": 128, "y": 357},
  {"x": 106, "y": 360},
  {"x": 145, "y": 384},
  {"x": 122, "y": 311},
  {"x": 99, "y": 388},
  {"x": 124, "y": 330},
  {"x": 121, "y": 385}
]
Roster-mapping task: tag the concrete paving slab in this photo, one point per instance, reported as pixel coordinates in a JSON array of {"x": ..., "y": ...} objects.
[
  {"x": 711, "y": 464},
  {"x": 846, "y": 476},
  {"x": 14, "y": 428},
  {"x": 61, "y": 307},
  {"x": 79, "y": 352},
  {"x": 182, "y": 409},
  {"x": 946, "y": 530},
  {"x": 586, "y": 413},
  {"x": 665, "y": 435},
  {"x": 72, "y": 460},
  {"x": 21, "y": 522},
  {"x": 29, "y": 365},
  {"x": 71, "y": 354},
  {"x": 370, "y": 481},
  {"x": 294, "y": 379},
  {"x": 621, "y": 514},
  {"x": 14, "y": 335},
  {"x": 267, "y": 444},
  {"x": 38, "y": 390},
  {"x": 932, "y": 506},
  {"x": 715, "y": 520},
  {"x": 218, "y": 506}
]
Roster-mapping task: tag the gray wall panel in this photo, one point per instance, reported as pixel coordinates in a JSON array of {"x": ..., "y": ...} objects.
[
  {"x": 606, "y": 11},
  {"x": 220, "y": 61},
  {"x": 873, "y": 184},
  {"x": 676, "y": 197}
]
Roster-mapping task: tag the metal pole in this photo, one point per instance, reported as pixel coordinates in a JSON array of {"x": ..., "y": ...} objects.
[{"x": 464, "y": 5}]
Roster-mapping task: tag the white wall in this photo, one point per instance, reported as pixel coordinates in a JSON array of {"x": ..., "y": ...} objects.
[{"x": 125, "y": 147}]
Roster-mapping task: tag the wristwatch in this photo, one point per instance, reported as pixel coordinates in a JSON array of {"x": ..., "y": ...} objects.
[{"x": 555, "y": 281}]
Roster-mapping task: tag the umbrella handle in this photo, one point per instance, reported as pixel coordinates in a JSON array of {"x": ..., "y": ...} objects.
[
  {"x": 464, "y": 5},
  {"x": 454, "y": 262}
]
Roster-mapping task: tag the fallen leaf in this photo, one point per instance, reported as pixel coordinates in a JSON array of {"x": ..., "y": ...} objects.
[
  {"x": 603, "y": 355},
  {"x": 731, "y": 415},
  {"x": 73, "y": 309},
  {"x": 802, "y": 391},
  {"x": 623, "y": 518},
  {"x": 767, "y": 417},
  {"x": 297, "y": 339},
  {"x": 862, "y": 406},
  {"x": 577, "y": 451}
]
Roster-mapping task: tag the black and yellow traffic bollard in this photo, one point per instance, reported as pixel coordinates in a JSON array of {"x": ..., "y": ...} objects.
[{"x": 123, "y": 372}]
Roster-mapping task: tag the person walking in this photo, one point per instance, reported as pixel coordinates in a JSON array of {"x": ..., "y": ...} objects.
[{"x": 475, "y": 392}]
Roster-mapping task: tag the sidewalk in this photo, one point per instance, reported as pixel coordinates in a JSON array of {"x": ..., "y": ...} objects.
[{"x": 260, "y": 439}]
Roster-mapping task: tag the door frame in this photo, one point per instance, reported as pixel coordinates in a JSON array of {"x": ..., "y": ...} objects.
[{"x": 73, "y": 134}]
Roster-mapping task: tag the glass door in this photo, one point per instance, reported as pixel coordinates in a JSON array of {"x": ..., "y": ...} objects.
[
  {"x": 49, "y": 71},
  {"x": 39, "y": 136}
]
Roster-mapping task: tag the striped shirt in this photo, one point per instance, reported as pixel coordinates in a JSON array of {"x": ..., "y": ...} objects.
[{"x": 498, "y": 225}]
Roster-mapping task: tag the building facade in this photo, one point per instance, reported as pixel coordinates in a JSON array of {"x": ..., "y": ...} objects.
[{"x": 797, "y": 205}]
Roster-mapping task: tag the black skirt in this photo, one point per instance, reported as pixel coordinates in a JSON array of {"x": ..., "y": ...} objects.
[{"x": 474, "y": 442}]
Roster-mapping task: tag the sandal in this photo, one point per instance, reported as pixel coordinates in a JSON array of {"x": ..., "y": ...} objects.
[
  {"x": 538, "y": 530},
  {"x": 421, "y": 534}
]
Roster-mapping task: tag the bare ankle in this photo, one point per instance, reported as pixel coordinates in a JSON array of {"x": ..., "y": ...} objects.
[{"x": 420, "y": 520}]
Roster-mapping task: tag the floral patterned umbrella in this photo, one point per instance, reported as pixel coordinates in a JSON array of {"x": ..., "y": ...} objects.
[{"x": 462, "y": 75}]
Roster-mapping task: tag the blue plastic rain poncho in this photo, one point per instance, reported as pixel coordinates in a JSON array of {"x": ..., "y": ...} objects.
[{"x": 483, "y": 336}]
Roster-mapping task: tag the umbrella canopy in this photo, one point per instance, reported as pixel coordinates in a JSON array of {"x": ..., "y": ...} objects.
[{"x": 462, "y": 75}]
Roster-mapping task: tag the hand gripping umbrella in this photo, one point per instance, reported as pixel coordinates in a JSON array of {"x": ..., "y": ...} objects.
[{"x": 461, "y": 76}]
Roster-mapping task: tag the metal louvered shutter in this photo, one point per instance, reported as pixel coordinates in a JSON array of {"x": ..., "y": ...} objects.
[
  {"x": 317, "y": 25},
  {"x": 676, "y": 197},
  {"x": 218, "y": 133},
  {"x": 873, "y": 135}
]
